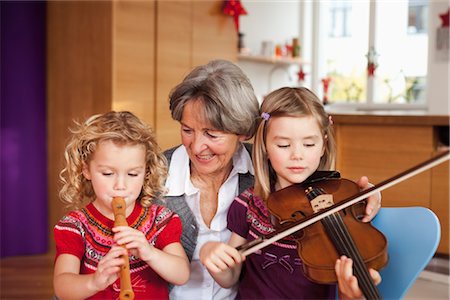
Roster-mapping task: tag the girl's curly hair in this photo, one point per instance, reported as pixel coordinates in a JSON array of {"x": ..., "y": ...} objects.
[{"x": 122, "y": 128}]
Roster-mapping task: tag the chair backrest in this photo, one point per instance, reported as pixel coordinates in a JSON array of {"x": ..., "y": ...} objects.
[{"x": 413, "y": 234}]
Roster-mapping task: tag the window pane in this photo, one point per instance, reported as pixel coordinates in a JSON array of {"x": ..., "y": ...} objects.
[
  {"x": 345, "y": 47},
  {"x": 402, "y": 69},
  {"x": 417, "y": 16}
]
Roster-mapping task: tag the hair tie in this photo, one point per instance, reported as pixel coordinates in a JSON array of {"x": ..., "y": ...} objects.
[
  {"x": 330, "y": 120},
  {"x": 265, "y": 116}
]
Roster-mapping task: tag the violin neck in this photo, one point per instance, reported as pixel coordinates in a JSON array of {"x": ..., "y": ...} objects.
[{"x": 337, "y": 231}]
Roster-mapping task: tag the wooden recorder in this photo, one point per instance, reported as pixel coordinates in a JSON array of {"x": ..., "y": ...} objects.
[{"x": 126, "y": 291}]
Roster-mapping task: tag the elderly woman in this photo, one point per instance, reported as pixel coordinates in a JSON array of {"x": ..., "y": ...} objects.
[{"x": 217, "y": 110}]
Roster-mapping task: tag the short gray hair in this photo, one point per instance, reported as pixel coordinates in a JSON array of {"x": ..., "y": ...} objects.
[{"x": 229, "y": 101}]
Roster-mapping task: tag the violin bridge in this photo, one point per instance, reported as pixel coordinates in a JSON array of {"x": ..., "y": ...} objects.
[{"x": 321, "y": 202}]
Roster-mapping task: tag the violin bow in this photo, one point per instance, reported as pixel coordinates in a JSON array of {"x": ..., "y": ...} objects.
[{"x": 263, "y": 241}]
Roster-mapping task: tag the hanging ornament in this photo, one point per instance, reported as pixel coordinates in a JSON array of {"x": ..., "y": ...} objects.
[
  {"x": 372, "y": 63},
  {"x": 301, "y": 75},
  {"x": 234, "y": 8},
  {"x": 443, "y": 38},
  {"x": 445, "y": 18},
  {"x": 326, "y": 84}
]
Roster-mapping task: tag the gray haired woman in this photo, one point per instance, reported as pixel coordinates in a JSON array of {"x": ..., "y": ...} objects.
[{"x": 218, "y": 111}]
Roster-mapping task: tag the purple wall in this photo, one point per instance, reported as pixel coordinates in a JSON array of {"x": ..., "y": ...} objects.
[{"x": 23, "y": 178}]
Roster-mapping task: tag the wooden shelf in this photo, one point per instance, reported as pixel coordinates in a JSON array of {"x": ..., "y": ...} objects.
[{"x": 274, "y": 60}]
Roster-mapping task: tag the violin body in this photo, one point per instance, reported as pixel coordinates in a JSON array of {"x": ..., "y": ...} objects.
[{"x": 322, "y": 243}]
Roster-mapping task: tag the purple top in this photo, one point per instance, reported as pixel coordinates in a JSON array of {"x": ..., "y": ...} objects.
[{"x": 274, "y": 272}]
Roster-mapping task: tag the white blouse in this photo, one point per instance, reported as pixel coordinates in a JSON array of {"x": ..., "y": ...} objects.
[{"x": 201, "y": 285}]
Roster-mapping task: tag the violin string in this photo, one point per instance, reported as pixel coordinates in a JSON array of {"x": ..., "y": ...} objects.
[
  {"x": 351, "y": 250},
  {"x": 339, "y": 240},
  {"x": 360, "y": 267},
  {"x": 345, "y": 245}
]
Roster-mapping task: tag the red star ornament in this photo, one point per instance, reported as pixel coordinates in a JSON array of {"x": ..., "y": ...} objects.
[
  {"x": 234, "y": 8},
  {"x": 301, "y": 75},
  {"x": 445, "y": 18},
  {"x": 371, "y": 67},
  {"x": 326, "y": 83}
]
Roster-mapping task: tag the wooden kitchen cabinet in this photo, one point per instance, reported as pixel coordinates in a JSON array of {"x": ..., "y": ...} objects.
[{"x": 382, "y": 146}]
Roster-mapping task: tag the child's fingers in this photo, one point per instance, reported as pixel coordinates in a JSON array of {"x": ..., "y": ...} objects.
[
  {"x": 125, "y": 239},
  {"x": 348, "y": 284},
  {"x": 222, "y": 258},
  {"x": 120, "y": 228},
  {"x": 376, "y": 277},
  {"x": 108, "y": 268}
]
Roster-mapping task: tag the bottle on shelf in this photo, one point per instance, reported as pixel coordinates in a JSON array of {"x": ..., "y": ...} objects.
[{"x": 295, "y": 47}]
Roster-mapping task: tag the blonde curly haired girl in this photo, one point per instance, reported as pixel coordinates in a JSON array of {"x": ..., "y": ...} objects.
[{"x": 109, "y": 156}]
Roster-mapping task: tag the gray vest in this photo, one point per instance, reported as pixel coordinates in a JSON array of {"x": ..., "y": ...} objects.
[{"x": 178, "y": 205}]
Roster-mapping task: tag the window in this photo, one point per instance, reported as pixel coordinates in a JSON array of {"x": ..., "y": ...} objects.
[
  {"x": 359, "y": 32},
  {"x": 417, "y": 16},
  {"x": 340, "y": 13}
]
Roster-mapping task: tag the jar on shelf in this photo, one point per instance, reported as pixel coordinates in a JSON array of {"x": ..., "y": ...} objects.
[{"x": 295, "y": 47}]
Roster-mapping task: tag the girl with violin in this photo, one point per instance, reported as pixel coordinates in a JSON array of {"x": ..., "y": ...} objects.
[
  {"x": 115, "y": 156},
  {"x": 293, "y": 141}
]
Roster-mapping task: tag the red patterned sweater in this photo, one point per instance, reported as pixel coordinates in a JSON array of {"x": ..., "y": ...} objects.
[{"x": 87, "y": 234}]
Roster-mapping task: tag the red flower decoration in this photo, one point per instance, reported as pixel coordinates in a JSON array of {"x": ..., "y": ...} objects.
[{"x": 234, "y": 8}]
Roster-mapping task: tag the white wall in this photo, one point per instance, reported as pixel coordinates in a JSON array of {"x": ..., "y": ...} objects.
[
  {"x": 268, "y": 20},
  {"x": 278, "y": 21}
]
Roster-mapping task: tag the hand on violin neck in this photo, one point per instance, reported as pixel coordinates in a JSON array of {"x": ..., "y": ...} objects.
[
  {"x": 373, "y": 202},
  {"x": 347, "y": 282}
]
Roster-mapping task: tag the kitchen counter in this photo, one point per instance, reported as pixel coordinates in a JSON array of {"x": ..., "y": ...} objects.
[{"x": 385, "y": 117}]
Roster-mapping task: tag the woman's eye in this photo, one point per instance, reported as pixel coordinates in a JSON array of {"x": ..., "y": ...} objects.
[
  {"x": 283, "y": 146},
  {"x": 107, "y": 173},
  {"x": 132, "y": 174},
  {"x": 213, "y": 136},
  {"x": 186, "y": 130},
  {"x": 310, "y": 145}
]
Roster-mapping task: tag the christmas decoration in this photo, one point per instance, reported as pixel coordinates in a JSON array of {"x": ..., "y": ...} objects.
[
  {"x": 234, "y": 8},
  {"x": 301, "y": 75},
  {"x": 326, "y": 84},
  {"x": 372, "y": 64},
  {"x": 443, "y": 38},
  {"x": 445, "y": 18}
]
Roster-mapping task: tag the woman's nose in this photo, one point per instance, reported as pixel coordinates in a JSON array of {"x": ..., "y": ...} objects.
[{"x": 198, "y": 143}]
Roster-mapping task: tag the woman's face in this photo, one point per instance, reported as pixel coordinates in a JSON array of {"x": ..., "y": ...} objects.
[
  {"x": 294, "y": 147},
  {"x": 210, "y": 150}
]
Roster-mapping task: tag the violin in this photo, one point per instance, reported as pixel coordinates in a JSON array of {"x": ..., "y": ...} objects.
[
  {"x": 335, "y": 204},
  {"x": 342, "y": 233}
]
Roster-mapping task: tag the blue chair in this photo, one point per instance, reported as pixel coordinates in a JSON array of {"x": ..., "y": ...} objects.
[{"x": 413, "y": 234}]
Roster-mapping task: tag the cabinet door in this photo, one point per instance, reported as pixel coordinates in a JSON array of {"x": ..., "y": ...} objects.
[
  {"x": 214, "y": 34},
  {"x": 173, "y": 62},
  {"x": 188, "y": 34},
  {"x": 440, "y": 202},
  {"x": 79, "y": 73},
  {"x": 133, "y": 61},
  {"x": 381, "y": 152}
]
